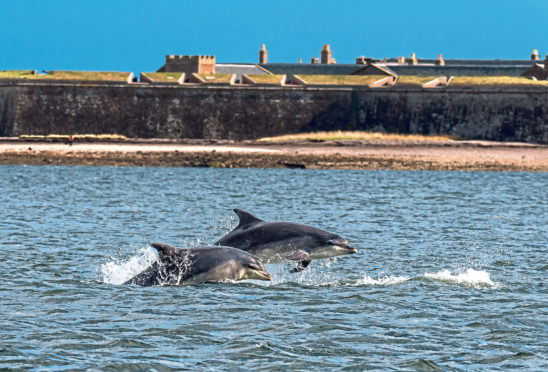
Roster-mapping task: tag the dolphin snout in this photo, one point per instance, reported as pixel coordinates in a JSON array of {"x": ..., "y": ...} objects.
[
  {"x": 351, "y": 250},
  {"x": 263, "y": 275},
  {"x": 257, "y": 271}
]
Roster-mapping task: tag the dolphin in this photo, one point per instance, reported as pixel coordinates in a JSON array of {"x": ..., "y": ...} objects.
[
  {"x": 275, "y": 242},
  {"x": 178, "y": 267}
]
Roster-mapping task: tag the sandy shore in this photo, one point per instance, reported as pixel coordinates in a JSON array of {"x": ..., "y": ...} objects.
[{"x": 438, "y": 155}]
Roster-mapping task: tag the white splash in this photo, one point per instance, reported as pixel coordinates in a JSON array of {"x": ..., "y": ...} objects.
[
  {"x": 383, "y": 280},
  {"x": 469, "y": 277},
  {"x": 119, "y": 272}
]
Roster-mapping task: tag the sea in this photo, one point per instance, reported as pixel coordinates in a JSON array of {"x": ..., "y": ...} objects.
[{"x": 451, "y": 271}]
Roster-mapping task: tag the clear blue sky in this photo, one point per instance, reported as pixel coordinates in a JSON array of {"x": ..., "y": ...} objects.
[{"x": 124, "y": 35}]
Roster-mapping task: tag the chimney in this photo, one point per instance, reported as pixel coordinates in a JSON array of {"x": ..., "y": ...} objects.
[
  {"x": 401, "y": 59},
  {"x": 440, "y": 61},
  {"x": 535, "y": 56},
  {"x": 361, "y": 60},
  {"x": 413, "y": 59},
  {"x": 325, "y": 55},
  {"x": 263, "y": 55},
  {"x": 314, "y": 60}
]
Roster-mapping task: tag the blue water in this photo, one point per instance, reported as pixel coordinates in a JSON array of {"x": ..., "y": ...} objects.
[{"x": 450, "y": 275}]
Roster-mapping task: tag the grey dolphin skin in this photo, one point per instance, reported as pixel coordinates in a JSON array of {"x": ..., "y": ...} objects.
[
  {"x": 176, "y": 266},
  {"x": 275, "y": 242}
]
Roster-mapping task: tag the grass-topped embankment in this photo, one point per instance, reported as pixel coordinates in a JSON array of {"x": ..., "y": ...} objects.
[
  {"x": 164, "y": 77},
  {"x": 496, "y": 80},
  {"x": 87, "y": 137},
  {"x": 216, "y": 78},
  {"x": 266, "y": 79},
  {"x": 78, "y": 75},
  {"x": 16, "y": 74},
  {"x": 356, "y": 135},
  {"x": 340, "y": 79}
]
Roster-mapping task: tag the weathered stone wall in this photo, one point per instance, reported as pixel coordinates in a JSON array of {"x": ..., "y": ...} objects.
[
  {"x": 8, "y": 108},
  {"x": 234, "y": 112}
]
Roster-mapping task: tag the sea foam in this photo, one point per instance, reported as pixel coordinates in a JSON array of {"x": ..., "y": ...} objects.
[
  {"x": 469, "y": 277},
  {"x": 383, "y": 280},
  {"x": 116, "y": 272}
]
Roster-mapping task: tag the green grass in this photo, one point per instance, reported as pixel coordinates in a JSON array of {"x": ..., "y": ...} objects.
[
  {"x": 164, "y": 77},
  {"x": 414, "y": 80},
  {"x": 341, "y": 79},
  {"x": 80, "y": 75},
  {"x": 76, "y": 136},
  {"x": 16, "y": 74},
  {"x": 216, "y": 78},
  {"x": 355, "y": 135},
  {"x": 495, "y": 80},
  {"x": 266, "y": 79}
]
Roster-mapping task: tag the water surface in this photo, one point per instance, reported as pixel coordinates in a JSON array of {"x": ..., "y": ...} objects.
[{"x": 450, "y": 274}]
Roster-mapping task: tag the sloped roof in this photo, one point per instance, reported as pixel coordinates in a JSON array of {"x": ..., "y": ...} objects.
[
  {"x": 310, "y": 69},
  {"x": 537, "y": 70},
  {"x": 239, "y": 69},
  {"x": 458, "y": 70},
  {"x": 375, "y": 69}
]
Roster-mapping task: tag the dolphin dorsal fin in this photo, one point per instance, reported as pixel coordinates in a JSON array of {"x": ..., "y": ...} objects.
[
  {"x": 165, "y": 250},
  {"x": 246, "y": 218}
]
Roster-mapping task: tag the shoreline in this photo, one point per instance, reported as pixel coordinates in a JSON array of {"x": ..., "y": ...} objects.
[{"x": 352, "y": 154}]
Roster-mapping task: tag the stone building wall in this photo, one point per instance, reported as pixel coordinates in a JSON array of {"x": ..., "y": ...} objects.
[
  {"x": 189, "y": 64},
  {"x": 232, "y": 112}
]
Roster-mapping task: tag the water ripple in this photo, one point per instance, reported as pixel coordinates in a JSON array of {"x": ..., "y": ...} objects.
[{"x": 449, "y": 274}]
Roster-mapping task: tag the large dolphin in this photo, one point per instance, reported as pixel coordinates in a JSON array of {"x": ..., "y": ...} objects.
[
  {"x": 275, "y": 242},
  {"x": 176, "y": 266}
]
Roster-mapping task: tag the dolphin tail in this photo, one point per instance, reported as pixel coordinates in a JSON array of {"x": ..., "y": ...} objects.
[
  {"x": 300, "y": 267},
  {"x": 303, "y": 258}
]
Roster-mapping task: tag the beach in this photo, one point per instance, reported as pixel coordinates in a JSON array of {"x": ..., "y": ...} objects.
[{"x": 349, "y": 154}]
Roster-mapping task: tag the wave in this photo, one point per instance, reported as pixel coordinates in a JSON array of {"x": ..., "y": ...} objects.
[
  {"x": 321, "y": 274},
  {"x": 383, "y": 280},
  {"x": 118, "y": 272},
  {"x": 469, "y": 277}
]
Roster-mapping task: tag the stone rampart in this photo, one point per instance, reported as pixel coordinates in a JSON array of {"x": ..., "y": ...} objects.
[{"x": 237, "y": 112}]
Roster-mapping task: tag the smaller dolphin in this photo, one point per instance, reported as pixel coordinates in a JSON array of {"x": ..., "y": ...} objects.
[
  {"x": 274, "y": 242},
  {"x": 176, "y": 266}
]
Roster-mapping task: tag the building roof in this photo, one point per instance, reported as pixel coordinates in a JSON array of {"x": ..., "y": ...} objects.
[
  {"x": 466, "y": 62},
  {"x": 458, "y": 70},
  {"x": 424, "y": 68},
  {"x": 239, "y": 69},
  {"x": 310, "y": 69}
]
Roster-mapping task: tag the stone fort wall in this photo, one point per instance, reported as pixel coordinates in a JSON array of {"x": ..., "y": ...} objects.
[{"x": 232, "y": 112}]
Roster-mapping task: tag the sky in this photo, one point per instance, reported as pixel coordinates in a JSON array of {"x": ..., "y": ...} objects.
[{"x": 135, "y": 35}]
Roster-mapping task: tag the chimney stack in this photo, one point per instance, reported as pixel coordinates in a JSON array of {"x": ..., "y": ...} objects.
[
  {"x": 263, "y": 55},
  {"x": 535, "y": 56},
  {"x": 413, "y": 60},
  {"x": 326, "y": 55},
  {"x": 440, "y": 61}
]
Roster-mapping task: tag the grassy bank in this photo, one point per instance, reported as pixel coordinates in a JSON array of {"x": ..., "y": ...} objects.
[{"x": 356, "y": 135}]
